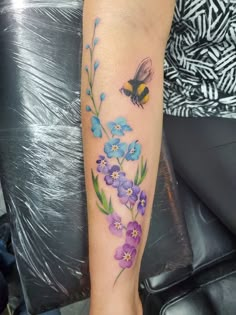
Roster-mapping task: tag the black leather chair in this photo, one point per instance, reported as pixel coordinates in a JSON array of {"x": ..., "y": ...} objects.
[{"x": 209, "y": 288}]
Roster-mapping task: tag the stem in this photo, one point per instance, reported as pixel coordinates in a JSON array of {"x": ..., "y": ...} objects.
[
  {"x": 128, "y": 207},
  {"x": 122, "y": 160},
  {"x": 104, "y": 130},
  {"x": 118, "y": 160},
  {"x": 91, "y": 57},
  {"x": 132, "y": 213},
  {"x": 91, "y": 75},
  {"x": 136, "y": 214},
  {"x": 95, "y": 107},
  {"x": 120, "y": 273},
  {"x": 91, "y": 67},
  {"x": 99, "y": 108}
]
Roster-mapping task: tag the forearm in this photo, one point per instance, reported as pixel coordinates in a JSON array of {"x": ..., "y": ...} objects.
[{"x": 122, "y": 78}]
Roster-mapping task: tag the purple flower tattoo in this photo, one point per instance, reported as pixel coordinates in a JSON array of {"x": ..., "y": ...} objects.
[
  {"x": 103, "y": 165},
  {"x": 114, "y": 177},
  {"x": 115, "y": 225},
  {"x": 128, "y": 192},
  {"x": 126, "y": 255},
  {"x": 142, "y": 203},
  {"x": 133, "y": 233}
]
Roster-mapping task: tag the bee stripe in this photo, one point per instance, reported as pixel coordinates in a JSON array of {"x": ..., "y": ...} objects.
[
  {"x": 144, "y": 96},
  {"x": 129, "y": 87},
  {"x": 141, "y": 89},
  {"x": 145, "y": 99}
]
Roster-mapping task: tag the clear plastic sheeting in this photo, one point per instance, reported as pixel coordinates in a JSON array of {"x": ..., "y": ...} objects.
[
  {"x": 41, "y": 164},
  {"x": 41, "y": 161},
  {"x": 2, "y": 203}
]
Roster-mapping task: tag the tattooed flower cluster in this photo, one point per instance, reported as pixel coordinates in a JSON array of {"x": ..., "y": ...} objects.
[
  {"x": 128, "y": 193},
  {"x": 131, "y": 196},
  {"x": 111, "y": 166}
]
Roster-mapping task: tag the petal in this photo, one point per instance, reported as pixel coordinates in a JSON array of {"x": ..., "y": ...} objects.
[
  {"x": 116, "y": 217},
  {"x": 108, "y": 179},
  {"x": 116, "y": 183},
  {"x": 105, "y": 170},
  {"x": 128, "y": 248},
  {"x": 117, "y": 154},
  {"x": 127, "y": 128},
  {"x": 115, "y": 168},
  {"x": 115, "y": 141},
  {"x": 119, "y": 253},
  {"x": 136, "y": 189},
  {"x": 133, "y": 198},
  {"x": 124, "y": 200},
  {"x": 120, "y": 121},
  {"x": 121, "y": 192},
  {"x": 143, "y": 195},
  {"x": 128, "y": 157},
  {"x": 95, "y": 121},
  {"x": 110, "y": 218},
  {"x": 97, "y": 132},
  {"x": 136, "y": 225},
  {"x": 125, "y": 264},
  {"x": 130, "y": 226},
  {"x": 141, "y": 209},
  {"x": 123, "y": 147},
  {"x": 116, "y": 132},
  {"x": 121, "y": 153},
  {"x": 114, "y": 231},
  {"x": 99, "y": 168},
  {"x": 107, "y": 147},
  {"x": 127, "y": 184},
  {"x": 110, "y": 154},
  {"x": 136, "y": 155},
  {"x": 130, "y": 240},
  {"x": 111, "y": 125},
  {"x": 131, "y": 146}
]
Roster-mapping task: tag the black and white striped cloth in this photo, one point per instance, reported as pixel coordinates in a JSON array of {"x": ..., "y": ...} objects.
[{"x": 200, "y": 64}]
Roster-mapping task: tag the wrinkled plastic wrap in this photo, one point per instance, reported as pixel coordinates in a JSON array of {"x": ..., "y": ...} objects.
[
  {"x": 2, "y": 203},
  {"x": 41, "y": 161}
]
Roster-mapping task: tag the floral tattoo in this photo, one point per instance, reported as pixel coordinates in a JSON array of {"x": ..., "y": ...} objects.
[{"x": 111, "y": 165}]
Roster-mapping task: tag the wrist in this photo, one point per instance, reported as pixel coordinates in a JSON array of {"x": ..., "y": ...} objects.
[{"x": 116, "y": 305}]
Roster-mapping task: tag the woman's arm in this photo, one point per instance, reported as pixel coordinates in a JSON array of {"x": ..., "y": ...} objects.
[{"x": 122, "y": 79}]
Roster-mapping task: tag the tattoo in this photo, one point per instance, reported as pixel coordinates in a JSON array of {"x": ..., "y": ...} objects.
[
  {"x": 118, "y": 154},
  {"x": 137, "y": 88}
]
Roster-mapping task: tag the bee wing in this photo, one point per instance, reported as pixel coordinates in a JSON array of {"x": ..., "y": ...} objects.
[{"x": 144, "y": 72}]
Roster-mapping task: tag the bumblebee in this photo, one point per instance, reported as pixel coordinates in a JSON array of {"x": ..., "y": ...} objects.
[{"x": 136, "y": 88}]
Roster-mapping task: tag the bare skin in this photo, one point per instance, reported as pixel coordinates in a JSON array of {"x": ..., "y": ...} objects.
[{"x": 127, "y": 33}]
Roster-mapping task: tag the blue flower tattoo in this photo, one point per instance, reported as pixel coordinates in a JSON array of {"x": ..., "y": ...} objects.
[
  {"x": 96, "y": 127},
  {"x": 134, "y": 151},
  {"x": 115, "y": 149},
  {"x": 119, "y": 127}
]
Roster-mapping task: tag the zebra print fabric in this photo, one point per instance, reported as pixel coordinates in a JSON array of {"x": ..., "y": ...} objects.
[{"x": 200, "y": 63}]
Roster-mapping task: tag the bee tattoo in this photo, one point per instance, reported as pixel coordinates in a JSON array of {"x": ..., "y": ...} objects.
[{"x": 136, "y": 88}]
